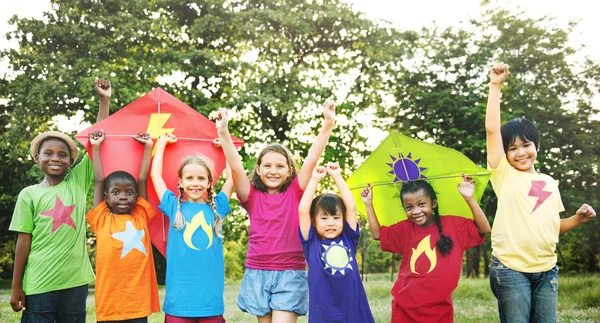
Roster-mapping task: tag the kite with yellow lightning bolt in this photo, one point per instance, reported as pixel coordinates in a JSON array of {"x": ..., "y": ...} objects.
[
  {"x": 399, "y": 159},
  {"x": 157, "y": 113}
]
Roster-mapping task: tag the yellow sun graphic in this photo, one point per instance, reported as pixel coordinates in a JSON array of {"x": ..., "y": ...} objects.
[{"x": 336, "y": 257}]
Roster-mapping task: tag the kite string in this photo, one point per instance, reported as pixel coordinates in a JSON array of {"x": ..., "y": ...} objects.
[
  {"x": 162, "y": 218},
  {"x": 417, "y": 179},
  {"x": 178, "y": 138}
]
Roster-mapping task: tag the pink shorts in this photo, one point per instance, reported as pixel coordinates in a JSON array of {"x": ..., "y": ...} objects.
[{"x": 207, "y": 319}]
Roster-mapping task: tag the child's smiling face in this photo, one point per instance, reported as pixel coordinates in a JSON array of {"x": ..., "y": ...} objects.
[
  {"x": 273, "y": 171},
  {"x": 419, "y": 207},
  {"x": 194, "y": 181},
  {"x": 121, "y": 196},
  {"x": 54, "y": 158},
  {"x": 522, "y": 155}
]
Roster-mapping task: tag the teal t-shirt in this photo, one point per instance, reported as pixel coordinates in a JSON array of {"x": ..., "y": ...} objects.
[{"x": 55, "y": 217}]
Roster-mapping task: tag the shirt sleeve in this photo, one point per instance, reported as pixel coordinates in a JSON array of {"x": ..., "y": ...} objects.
[
  {"x": 353, "y": 233},
  {"x": 83, "y": 173},
  {"x": 222, "y": 204},
  {"x": 392, "y": 238},
  {"x": 22, "y": 219},
  {"x": 499, "y": 174},
  {"x": 93, "y": 217},
  {"x": 145, "y": 208},
  {"x": 468, "y": 234},
  {"x": 168, "y": 204}
]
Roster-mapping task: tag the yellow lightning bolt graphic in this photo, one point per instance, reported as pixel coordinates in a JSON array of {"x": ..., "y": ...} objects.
[
  {"x": 198, "y": 220},
  {"x": 423, "y": 247},
  {"x": 158, "y": 119}
]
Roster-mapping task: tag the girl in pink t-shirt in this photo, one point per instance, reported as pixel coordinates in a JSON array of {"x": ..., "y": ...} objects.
[{"x": 275, "y": 286}]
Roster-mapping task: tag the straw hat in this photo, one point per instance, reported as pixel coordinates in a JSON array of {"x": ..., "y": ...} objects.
[{"x": 35, "y": 144}]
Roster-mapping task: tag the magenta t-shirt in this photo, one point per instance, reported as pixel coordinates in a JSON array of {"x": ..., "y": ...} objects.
[{"x": 273, "y": 240}]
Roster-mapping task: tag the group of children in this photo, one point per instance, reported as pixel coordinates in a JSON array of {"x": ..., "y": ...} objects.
[{"x": 289, "y": 229}]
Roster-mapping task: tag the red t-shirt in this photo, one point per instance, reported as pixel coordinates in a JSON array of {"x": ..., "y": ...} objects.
[{"x": 426, "y": 279}]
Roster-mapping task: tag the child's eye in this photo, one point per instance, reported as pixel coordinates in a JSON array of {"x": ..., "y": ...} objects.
[
  {"x": 115, "y": 192},
  {"x": 130, "y": 193}
]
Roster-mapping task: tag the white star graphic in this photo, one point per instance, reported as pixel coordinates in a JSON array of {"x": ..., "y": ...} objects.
[{"x": 132, "y": 239}]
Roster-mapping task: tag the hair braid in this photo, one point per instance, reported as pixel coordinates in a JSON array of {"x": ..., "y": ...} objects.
[
  {"x": 179, "y": 220},
  {"x": 218, "y": 221},
  {"x": 444, "y": 244}
]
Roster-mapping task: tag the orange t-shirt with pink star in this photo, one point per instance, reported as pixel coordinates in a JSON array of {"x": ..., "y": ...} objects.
[{"x": 126, "y": 285}]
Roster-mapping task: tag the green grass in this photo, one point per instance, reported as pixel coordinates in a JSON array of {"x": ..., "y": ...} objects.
[{"x": 578, "y": 299}]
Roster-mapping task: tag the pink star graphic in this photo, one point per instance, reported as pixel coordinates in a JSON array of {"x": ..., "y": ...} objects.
[{"x": 61, "y": 214}]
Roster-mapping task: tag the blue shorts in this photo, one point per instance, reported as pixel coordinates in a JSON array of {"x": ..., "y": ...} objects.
[{"x": 263, "y": 291}]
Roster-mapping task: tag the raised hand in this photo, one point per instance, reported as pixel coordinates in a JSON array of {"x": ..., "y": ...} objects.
[
  {"x": 333, "y": 168},
  {"x": 329, "y": 110},
  {"x": 498, "y": 74},
  {"x": 367, "y": 193},
  {"x": 97, "y": 137},
  {"x": 102, "y": 87},
  {"x": 168, "y": 138},
  {"x": 222, "y": 118},
  {"x": 319, "y": 173},
  {"x": 143, "y": 138},
  {"x": 466, "y": 187},
  {"x": 585, "y": 213}
]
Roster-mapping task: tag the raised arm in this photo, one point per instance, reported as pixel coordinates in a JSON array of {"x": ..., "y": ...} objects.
[
  {"x": 335, "y": 172},
  {"x": 144, "y": 139},
  {"x": 466, "y": 188},
  {"x": 96, "y": 140},
  {"x": 318, "y": 146},
  {"x": 104, "y": 90},
  {"x": 238, "y": 173},
  {"x": 584, "y": 214},
  {"x": 374, "y": 226},
  {"x": 495, "y": 149},
  {"x": 304, "y": 207},
  {"x": 156, "y": 173}
]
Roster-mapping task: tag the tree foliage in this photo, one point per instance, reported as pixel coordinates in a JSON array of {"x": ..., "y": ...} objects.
[{"x": 274, "y": 62}]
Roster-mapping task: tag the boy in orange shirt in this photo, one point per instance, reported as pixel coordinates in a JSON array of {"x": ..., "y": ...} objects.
[{"x": 124, "y": 261}]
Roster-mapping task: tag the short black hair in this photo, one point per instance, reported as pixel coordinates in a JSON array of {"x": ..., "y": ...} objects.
[
  {"x": 329, "y": 203},
  {"x": 119, "y": 175},
  {"x": 522, "y": 128}
]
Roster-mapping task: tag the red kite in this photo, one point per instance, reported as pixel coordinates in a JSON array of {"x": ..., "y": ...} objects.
[{"x": 156, "y": 113}]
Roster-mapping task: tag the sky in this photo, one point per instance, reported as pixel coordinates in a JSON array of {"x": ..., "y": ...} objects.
[{"x": 407, "y": 15}]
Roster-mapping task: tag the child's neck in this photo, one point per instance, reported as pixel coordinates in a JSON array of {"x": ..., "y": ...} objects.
[{"x": 52, "y": 181}]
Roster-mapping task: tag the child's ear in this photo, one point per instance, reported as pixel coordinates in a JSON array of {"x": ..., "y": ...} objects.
[
  {"x": 434, "y": 203},
  {"x": 36, "y": 158}
]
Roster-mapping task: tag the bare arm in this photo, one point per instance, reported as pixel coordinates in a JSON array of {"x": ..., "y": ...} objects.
[
  {"x": 335, "y": 172},
  {"x": 238, "y": 173},
  {"x": 467, "y": 189},
  {"x": 104, "y": 90},
  {"x": 144, "y": 138},
  {"x": 374, "y": 226},
  {"x": 585, "y": 214},
  {"x": 227, "y": 188},
  {"x": 495, "y": 148},
  {"x": 156, "y": 173},
  {"x": 17, "y": 297},
  {"x": 304, "y": 207},
  {"x": 317, "y": 148},
  {"x": 96, "y": 140}
]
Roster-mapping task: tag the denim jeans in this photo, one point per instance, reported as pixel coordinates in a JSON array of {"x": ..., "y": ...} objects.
[
  {"x": 60, "y": 306},
  {"x": 524, "y": 297}
]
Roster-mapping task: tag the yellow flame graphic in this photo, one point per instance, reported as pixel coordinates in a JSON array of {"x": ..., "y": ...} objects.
[{"x": 423, "y": 247}]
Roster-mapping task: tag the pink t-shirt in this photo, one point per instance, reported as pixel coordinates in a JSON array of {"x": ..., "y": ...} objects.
[{"x": 273, "y": 240}]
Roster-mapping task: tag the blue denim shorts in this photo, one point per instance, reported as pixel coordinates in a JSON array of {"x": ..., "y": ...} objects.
[{"x": 263, "y": 291}]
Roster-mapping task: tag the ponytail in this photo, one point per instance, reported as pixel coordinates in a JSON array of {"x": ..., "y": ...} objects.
[
  {"x": 444, "y": 244},
  {"x": 179, "y": 220}
]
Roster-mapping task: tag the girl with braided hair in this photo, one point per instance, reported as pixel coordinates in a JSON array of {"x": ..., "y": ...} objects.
[
  {"x": 432, "y": 249},
  {"x": 195, "y": 276}
]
